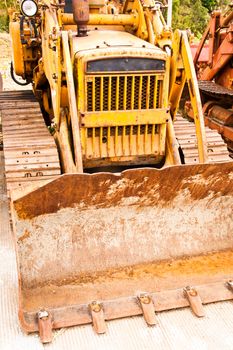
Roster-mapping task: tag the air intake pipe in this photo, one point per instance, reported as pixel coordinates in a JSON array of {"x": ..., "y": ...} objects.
[{"x": 81, "y": 15}]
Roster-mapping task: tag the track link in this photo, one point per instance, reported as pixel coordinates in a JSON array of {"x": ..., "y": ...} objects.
[
  {"x": 30, "y": 151},
  {"x": 186, "y": 136},
  {"x": 223, "y": 97}
]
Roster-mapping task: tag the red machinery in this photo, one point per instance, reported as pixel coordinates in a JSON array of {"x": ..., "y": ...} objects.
[{"x": 213, "y": 59}]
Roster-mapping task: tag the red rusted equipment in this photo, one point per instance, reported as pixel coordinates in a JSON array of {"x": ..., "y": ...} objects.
[{"x": 213, "y": 60}]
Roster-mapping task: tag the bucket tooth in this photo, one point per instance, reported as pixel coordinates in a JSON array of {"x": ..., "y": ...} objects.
[
  {"x": 45, "y": 326},
  {"x": 194, "y": 301},
  {"x": 148, "y": 310},
  {"x": 98, "y": 319}
]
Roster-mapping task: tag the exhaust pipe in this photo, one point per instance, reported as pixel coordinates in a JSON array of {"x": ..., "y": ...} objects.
[{"x": 81, "y": 15}]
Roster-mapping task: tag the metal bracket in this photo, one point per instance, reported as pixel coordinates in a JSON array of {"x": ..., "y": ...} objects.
[
  {"x": 194, "y": 301},
  {"x": 148, "y": 309},
  {"x": 98, "y": 320},
  {"x": 45, "y": 326}
]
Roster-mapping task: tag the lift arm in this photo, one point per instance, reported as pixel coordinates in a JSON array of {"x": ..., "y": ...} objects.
[{"x": 182, "y": 70}]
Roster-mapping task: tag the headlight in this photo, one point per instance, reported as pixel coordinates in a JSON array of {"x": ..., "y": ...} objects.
[{"x": 28, "y": 8}]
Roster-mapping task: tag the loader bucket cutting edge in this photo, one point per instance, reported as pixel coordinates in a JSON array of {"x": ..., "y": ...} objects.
[{"x": 109, "y": 237}]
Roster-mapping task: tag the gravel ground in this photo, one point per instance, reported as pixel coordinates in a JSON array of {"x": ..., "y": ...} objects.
[{"x": 5, "y": 61}]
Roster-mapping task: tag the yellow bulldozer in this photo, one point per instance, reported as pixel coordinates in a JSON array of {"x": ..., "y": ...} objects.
[{"x": 119, "y": 206}]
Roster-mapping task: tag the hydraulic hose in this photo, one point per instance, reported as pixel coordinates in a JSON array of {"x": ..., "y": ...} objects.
[{"x": 14, "y": 78}]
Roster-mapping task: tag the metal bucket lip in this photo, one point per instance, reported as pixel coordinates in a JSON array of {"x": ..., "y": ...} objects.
[
  {"x": 108, "y": 189},
  {"x": 79, "y": 314}
]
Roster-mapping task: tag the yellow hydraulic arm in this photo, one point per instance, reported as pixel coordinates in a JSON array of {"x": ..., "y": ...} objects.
[{"x": 182, "y": 71}]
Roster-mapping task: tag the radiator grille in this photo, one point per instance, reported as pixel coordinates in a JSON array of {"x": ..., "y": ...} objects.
[
  {"x": 112, "y": 93},
  {"x": 123, "y": 130},
  {"x": 121, "y": 141}
]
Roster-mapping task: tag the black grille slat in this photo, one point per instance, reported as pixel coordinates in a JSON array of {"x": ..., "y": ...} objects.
[
  {"x": 121, "y": 93},
  {"x": 114, "y": 91},
  {"x": 105, "y": 93},
  {"x": 89, "y": 95},
  {"x": 97, "y": 93},
  {"x": 158, "y": 95},
  {"x": 129, "y": 92},
  {"x": 144, "y": 90},
  {"x": 152, "y": 92},
  {"x": 134, "y": 92},
  {"x": 143, "y": 128}
]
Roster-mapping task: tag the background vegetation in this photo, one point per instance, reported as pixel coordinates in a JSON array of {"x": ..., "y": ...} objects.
[
  {"x": 4, "y": 6},
  {"x": 193, "y": 14}
]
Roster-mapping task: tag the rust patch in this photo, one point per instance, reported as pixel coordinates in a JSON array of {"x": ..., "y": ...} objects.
[
  {"x": 218, "y": 262},
  {"x": 116, "y": 283},
  {"x": 148, "y": 186},
  {"x": 25, "y": 235}
]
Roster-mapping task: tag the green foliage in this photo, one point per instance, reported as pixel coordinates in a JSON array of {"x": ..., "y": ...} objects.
[
  {"x": 4, "y": 18},
  {"x": 189, "y": 14},
  {"x": 3, "y": 22},
  {"x": 214, "y": 4},
  {"x": 210, "y": 4}
]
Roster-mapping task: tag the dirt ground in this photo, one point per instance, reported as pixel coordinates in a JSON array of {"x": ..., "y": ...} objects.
[{"x": 5, "y": 61}]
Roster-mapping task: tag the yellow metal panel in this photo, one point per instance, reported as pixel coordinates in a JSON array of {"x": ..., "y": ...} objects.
[
  {"x": 113, "y": 135},
  {"x": 165, "y": 88},
  {"x": 122, "y": 142},
  {"x": 83, "y": 140},
  {"x": 18, "y": 57},
  {"x": 100, "y": 141},
  {"x": 136, "y": 117},
  {"x": 105, "y": 19},
  {"x": 116, "y": 140},
  {"x": 131, "y": 140},
  {"x": 152, "y": 138},
  {"x": 162, "y": 137},
  {"x": 145, "y": 139},
  {"x": 108, "y": 142},
  {"x": 138, "y": 140}
]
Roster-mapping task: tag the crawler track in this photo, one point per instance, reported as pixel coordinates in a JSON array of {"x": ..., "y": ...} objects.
[
  {"x": 29, "y": 149},
  {"x": 186, "y": 135},
  {"x": 223, "y": 97},
  {"x": 215, "y": 91}
]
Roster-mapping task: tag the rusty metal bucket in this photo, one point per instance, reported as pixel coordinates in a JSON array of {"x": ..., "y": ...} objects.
[{"x": 131, "y": 241}]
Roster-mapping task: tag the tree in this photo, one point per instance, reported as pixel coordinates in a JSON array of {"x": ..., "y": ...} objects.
[
  {"x": 215, "y": 4},
  {"x": 4, "y": 18},
  {"x": 188, "y": 14},
  {"x": 210, "y": 4}
]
